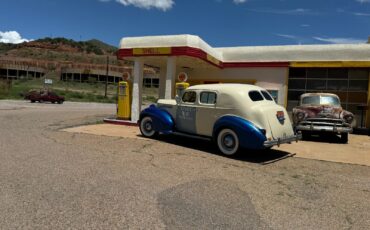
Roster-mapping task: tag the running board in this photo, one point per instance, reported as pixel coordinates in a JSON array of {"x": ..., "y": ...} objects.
[{"x": 192, "y": 136}]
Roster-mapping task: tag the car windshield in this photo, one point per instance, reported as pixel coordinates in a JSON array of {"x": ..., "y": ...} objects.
[{"x": 320, "y": 100}]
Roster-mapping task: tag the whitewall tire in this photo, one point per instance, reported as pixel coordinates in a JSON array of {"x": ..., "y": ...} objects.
[
  {"x": 228, "y": 142},
  {"x": 146, "y": 127}
]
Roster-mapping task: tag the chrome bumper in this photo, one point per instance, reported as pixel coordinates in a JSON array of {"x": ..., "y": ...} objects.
[
  {"x": 279, "y": 141},
  {"x": 329, "y": 128}
]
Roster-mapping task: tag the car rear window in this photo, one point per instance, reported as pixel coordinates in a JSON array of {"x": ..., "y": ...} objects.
[
  {"x": 266, "y": 95},
  {"x": 255, "y": 96}
]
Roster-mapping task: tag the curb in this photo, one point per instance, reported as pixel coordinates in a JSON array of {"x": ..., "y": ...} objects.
[{"x": 116, "y": 121}]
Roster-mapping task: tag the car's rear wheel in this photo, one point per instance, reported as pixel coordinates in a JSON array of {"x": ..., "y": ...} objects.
[
  {"x": 344, "y": 138},
  {"x": 32, "y": 101},
  {"x": 305, "y": 135},
  {"x": 228, "y": 142},
  {"x": 60, "y": 102},
  {"x": 146, "y": 127}
]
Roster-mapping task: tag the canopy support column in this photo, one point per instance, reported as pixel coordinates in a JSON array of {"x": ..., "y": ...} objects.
[
  {"x": 170, "y": 77},
  {"x": 137, "y": 86},
  {"x": 162, "y": 82}
]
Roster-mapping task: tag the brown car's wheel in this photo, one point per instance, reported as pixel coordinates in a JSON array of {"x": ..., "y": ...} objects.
[
  {"x": 305, "y": 135},
  {"x": 32, "y": 101},
  {"x": 60, "y": 102},
  {"x": 344, "y": 138}
]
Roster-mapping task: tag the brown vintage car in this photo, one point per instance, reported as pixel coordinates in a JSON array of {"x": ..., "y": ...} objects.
[
  {"x": 322, "y": 112},
  {"x": 43, "y": 96}
]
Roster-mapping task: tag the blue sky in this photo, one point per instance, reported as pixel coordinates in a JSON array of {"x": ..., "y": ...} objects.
[{"x": 219, "y": 22}]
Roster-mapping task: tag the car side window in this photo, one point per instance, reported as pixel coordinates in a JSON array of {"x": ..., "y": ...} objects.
[
  {"x": 208, "y": 98},
  {"x": 189, "y": 97},
  {"x": 255, "y": 96}
]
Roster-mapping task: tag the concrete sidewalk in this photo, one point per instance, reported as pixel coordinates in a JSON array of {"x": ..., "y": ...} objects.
[{"x": 357, "y": 151}]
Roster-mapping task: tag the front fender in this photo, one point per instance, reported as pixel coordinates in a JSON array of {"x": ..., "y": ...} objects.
[
  {"x": 162, "y": 120},
  {"x": 249, "y": 135}
]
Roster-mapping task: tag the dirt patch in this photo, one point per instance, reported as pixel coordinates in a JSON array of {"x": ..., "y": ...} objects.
[
  {"x": 357, "y": 151},
  {"x": 107, "y": 130}
]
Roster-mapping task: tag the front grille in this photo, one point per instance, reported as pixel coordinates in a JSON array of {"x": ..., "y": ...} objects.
[{"x": 324, "y": 122}]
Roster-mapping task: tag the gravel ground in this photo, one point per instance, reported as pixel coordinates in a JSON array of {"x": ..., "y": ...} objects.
[{"x": 51, "y": 179}]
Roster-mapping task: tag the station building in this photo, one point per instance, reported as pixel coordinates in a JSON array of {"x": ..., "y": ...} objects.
[{"x": 286, "y": 71}]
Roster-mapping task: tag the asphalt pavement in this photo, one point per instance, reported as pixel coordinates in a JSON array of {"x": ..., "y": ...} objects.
[{"x": 51, "y": 179}]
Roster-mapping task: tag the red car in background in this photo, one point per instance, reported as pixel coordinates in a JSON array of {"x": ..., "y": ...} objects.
[{"x": 42, "y": 96}]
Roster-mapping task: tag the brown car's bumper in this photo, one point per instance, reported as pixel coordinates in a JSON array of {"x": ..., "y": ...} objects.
[{"x": 324, "y": 125}]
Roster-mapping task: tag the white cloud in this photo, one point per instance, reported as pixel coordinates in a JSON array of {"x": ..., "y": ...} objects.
[
  {"x": 298, "y": 11},
  {"x": 340, "y": 40},
  {"x": 239, "y": 1},
  {"x": 146, "y": 4},
  {"x": 363, "y": 1},
  {"x": 287, "y": 36},
  {"x": 11, "y": 37},
  {"x": 361, "y": 14}
]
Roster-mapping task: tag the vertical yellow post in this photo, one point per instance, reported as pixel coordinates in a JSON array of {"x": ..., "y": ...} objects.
[{"x": 124, "y": 101}]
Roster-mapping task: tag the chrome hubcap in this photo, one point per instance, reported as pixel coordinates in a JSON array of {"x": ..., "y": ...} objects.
[
  {"x": 148, "y": 126},
  {"x": 229, "y": 141}
]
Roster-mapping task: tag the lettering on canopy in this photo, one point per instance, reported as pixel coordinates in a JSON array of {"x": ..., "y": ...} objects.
[{"x": 152, "y": 51}]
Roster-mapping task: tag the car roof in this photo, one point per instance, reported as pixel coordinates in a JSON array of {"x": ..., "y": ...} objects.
[
  {"x": 318, "y": 94},
  {"x": 225, "y": 87}
]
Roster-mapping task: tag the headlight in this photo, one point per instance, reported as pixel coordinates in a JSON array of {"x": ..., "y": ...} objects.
[
  {"x": 300, "y": 116},
  {"x": 348, "y": 119}
]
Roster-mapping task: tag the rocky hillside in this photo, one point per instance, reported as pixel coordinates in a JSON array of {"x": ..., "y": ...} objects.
[{"x": 61, "y": 49}]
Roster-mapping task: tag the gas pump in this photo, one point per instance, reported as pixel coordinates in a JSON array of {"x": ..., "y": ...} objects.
[
  {"x": 124, "y": 101},
  {"x": 180, "y": 87},
  {"x": 182, "y": 84}
]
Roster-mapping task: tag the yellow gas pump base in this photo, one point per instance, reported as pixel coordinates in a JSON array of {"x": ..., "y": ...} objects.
[{"x": 124, "y": 101}]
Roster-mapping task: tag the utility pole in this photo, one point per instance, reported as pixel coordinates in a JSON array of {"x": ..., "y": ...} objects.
[{"x": 106, "y": 78}]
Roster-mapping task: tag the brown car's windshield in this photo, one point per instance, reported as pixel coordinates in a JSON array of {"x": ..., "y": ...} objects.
[{"x": 320, "y": 100}]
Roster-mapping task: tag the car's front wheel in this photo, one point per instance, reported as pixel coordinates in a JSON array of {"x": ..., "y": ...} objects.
[
  {"x": 344, "y": 138},
  {"x": 228, "y": 142},
  {"x": 146, "y": 127}
]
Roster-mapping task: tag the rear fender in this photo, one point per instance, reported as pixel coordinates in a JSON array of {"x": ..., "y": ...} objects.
[
  {"x": 162, "y": 120},
  {"x": 249, "y": 135}
]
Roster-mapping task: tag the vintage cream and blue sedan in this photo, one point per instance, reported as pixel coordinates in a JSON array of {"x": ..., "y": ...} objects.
[{"x": 232, "y": 115}]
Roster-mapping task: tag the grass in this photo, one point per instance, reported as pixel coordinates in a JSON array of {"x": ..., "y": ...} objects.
[{"x": 71, "y": 91}]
